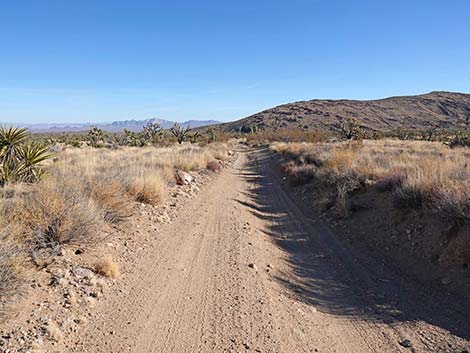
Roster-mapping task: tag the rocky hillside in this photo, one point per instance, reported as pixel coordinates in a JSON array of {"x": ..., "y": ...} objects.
[{"x": 444, "y": 109}]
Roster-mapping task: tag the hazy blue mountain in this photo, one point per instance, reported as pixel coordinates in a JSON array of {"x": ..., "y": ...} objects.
[{"x": 115, "y": 126}]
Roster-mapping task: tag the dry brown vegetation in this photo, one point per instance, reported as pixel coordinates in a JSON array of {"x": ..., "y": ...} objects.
[
  {"x": 259, "y": 136},
  {"x": 107, "y": 267},
  {"x": 420, "y": 174},
  {"x": 408, "y": 201},
  {"x": 84, "y": 190},
  {"x": 214, "y": 166}
]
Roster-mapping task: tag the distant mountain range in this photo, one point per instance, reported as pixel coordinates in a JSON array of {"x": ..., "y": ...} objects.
[{"x": 115, "y": 126}]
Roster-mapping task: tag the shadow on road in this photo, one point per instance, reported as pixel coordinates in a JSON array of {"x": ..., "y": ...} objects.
[{"x": 330, "y": 276}]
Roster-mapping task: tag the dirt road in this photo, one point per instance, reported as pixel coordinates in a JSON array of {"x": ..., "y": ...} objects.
[{"x": 244, "y": 268}]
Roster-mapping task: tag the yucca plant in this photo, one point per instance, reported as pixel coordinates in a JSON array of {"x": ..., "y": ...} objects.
[
  {"x": 31, "y": 156},
  {"x": 11, "y": 139},
  {"x": 20, "y": 161}
]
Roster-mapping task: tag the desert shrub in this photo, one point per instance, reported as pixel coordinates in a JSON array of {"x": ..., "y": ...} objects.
[
  {"x": 112, "y": 199},
  {"x": 392, "y": 180},
  {"x": 107, "y": 267},
  {"x": 51, "y": 216},
  {"x": 211, "y": 135},
  {"x": 147, "y": 189},
  {"x": 11, "y": 284},
  {"x": 287, "y": 167},
  {"x": 420, "y": 174},
  {"x": 301, "y": 174},
  {"x": 460, "y": 139},
  {"x": 214, "y": 166},
  {"x": 408, "y": 196},
  {"x": 345, "y": 183},
  {"x": 453, "y": 202},
  {"x": 287, "y": 135},
  {"x": 341, "y": 207},
  {"x": 419, "y": 186}
]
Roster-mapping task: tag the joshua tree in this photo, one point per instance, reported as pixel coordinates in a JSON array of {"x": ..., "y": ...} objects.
[
  {"x": 134, "y": 139},
  {"x": 194, "y": 137},
  {"x": 350, "y": 129},
  {"x": 211, "y": 137},
  {"x": 152, "y": 132},
  {"x": 95, "y": 136},
  {"x": 180, "y": 133}
]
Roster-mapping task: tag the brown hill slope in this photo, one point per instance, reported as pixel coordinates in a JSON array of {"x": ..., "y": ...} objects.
[{"x": 444, "y": 109}]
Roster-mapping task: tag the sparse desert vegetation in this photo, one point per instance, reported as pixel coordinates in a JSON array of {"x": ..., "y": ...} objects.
[
  {"x": 407, "y": 188},
  {"x": 107, "y": 267},
  {"x": 82, "y": 191},
  {"x": 421, "y": 174}
]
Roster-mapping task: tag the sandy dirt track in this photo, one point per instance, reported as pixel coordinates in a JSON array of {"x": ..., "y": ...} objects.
[{"x": 245, "y": 268}]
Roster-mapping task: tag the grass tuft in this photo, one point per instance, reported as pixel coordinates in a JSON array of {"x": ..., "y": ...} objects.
[{"x": 107, "y": 267}]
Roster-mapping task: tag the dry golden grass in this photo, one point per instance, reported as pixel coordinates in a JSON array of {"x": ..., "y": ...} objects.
[
  {"x": 420, "y": 173},
  {"x": 85, "y": 189},
  {"x": 11, "y": 267},
  {"x": 113, "y": 200},
  {"x": 107, "y": 267}
]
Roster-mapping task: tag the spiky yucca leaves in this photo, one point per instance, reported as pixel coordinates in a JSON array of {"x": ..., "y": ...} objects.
[
  {"x": 31, "y": 156},
  {"x": 11, "y": 139},
  {"x": 19, "y": 161}
]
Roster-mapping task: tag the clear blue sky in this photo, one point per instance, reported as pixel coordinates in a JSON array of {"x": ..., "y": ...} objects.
[{"x": 101, "y": 60}]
